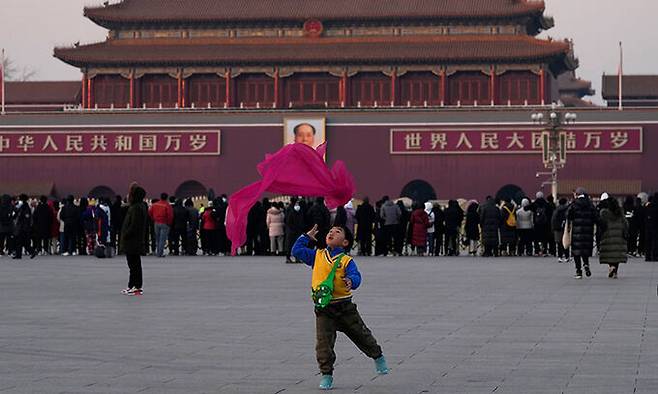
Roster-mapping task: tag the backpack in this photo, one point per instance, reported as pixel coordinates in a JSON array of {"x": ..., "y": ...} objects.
[
  {"x": 541, "y": 219},
  {"x": 511, "y": 218}
]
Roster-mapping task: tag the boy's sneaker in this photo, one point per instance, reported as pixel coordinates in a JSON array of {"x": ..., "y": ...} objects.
[
  {"x": 579, "y": 275},
  {"x": 326, "y": 383},
  {"x": 587, "y": 271},
  {"x": 126, "y": 291},
  {"x": 380, "y": 365}
]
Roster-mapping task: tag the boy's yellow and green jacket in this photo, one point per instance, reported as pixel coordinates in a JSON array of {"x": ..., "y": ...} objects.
[{"x": 322, "y": 260}]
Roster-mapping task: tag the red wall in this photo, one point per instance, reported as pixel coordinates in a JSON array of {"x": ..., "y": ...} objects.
[{"x": 365, "y": 149}]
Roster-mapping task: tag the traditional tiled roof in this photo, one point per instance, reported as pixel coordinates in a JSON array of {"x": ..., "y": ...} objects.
[
  {"x": 371, "y": 50},
  {"x": 633, "y": 86},
  {"x": 213, "y": 11},
  {"x": 43, "y": 92}
]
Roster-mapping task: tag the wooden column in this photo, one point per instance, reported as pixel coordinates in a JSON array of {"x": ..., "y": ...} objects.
[
  {"x": 227, "y": 78},
  {"x": 443, "y": 87},
  {"x": 343, "y": 93},
  {"x": 179, "y": 92},
  {"x": 84, "y": 90},
  {"x": 132, "y": 90},
  {"x": 394, "y": 79},
  {"x": 542, "y": 87},
  {"x": 493, "y": 86},
  {"x": 183, "y": 88},
  {"x": 90, "y": 94},
  {"x": 276, "y": 88}
]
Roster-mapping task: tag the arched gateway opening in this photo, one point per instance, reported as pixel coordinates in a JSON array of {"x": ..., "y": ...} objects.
[
  {"x": 513, "y": 192},
  {"x": 418, "y": 190},
  {"x": 191, "y": 189},
  {"x": 102, "y": 192}
]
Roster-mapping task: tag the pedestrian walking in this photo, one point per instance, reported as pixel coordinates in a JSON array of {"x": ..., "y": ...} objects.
[
  {"x": 558, "y": 224},
  {"x": 614, "y": 234},
  {"x": 582, "y": 217},
  {"x": 133, "y": 231}
]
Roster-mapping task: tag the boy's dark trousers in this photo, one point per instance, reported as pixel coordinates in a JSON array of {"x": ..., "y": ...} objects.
[{"x": 345, "y": 318}]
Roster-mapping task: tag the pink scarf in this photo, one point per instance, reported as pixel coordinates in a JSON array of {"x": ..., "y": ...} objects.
[{"x": 295, "y": 170}]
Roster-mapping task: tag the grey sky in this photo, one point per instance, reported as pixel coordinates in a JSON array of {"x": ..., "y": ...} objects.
[{"x": 29, "y": 29}]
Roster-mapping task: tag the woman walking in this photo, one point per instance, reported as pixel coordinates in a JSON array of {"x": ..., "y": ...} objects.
[
  {"x": 582, "y": 216},
  {"x": 133, "y": 231},
  {"x": 614, "y": 232}
]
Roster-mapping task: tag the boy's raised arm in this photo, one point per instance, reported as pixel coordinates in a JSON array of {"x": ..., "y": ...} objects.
[{"x": 300, "y": 249}]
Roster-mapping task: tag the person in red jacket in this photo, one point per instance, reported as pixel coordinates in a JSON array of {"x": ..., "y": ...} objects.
[
  {"x": 419, "y": 223},
  {"x": 162, "y": 215}
]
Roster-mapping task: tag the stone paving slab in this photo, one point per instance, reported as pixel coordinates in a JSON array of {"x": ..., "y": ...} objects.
[{"x": 246, "y": 325}]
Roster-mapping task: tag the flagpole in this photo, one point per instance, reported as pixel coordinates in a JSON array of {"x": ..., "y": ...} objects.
[
  {"x": 2, "y": 82},
  {"x": 621, "y": 76}
]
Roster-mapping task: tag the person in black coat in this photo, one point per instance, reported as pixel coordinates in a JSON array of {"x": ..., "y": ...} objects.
[
  {"x": 490, "y": 221},
  {"x": 191, "y": 240},
  {"x": 294, "y": 226},
  {"x": 582, "y": 217},
  {"x": 71, "y": 218},
  {"x": 542, "y": 214},
  {"x": 178, "y": 234},
  {"x": 133, "y": 233},
  {"x": 403, "y": 232},
  {"x": 629, "y": 215},
  {"x": 117, "y": 220},
  {"x": 23, "y": 229},
  {"x": 365, "y": 219},
  {"x": 472, "y": 228},
  {"x": 439, "y": 230},
  {"x": 454, "y": 216},
  {"x": 319, "y": 215},
  {"x": 43, "y": 220},
  {"x": 6, "y": 224},
  {"x": 651, "y": 229}
]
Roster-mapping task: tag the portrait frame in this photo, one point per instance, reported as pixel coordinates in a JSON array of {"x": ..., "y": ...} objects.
[{"x": 319, "y": 123}]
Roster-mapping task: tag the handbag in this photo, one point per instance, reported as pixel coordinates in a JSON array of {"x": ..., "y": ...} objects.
[
  {"x": 322, "y": 294},
  {"x": 566, "y": 236}
]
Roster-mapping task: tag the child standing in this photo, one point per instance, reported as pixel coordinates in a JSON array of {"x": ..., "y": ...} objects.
[{"x": 340, "y": 314}]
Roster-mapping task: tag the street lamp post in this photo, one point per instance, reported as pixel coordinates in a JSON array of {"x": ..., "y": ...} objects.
[{"x": 554, "y": 142}]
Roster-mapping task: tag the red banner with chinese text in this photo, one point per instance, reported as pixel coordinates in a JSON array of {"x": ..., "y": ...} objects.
[
  {"x": 114, "y": 142},
  {"x": 512, "y": 141}
]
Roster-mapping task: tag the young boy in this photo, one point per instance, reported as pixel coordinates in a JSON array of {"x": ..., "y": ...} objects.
[{"x": 340, "y": 314}]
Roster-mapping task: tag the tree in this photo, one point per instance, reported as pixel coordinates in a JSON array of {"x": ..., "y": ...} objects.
[{"x": 13, "y": 73}]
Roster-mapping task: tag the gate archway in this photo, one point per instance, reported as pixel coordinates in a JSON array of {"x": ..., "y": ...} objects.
[
  {"x": 191, "y": 188},
  {"x": 511, "y": 191},
  {"x": 418, "y": 190},
  {"x": 102, "y": 191}
]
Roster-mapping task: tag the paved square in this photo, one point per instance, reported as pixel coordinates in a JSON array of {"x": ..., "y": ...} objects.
[{"x": 246, "y": 325}]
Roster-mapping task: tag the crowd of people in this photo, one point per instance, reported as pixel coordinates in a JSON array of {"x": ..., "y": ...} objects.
[{"x": 495, "y": 227}]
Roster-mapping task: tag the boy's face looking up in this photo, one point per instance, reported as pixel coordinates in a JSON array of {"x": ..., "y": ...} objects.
[{"x": 336, "y": 238}]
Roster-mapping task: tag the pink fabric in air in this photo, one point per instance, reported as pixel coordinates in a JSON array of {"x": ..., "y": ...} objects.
[{"x": 295, "y": 170}]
